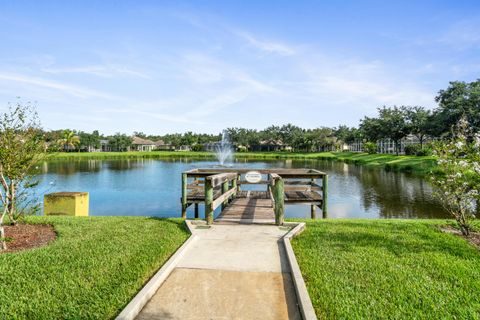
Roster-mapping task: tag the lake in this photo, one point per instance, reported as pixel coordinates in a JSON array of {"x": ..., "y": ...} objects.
[{"x": 152, "y": 187}]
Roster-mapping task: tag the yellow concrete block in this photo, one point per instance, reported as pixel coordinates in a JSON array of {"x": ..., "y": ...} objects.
[{"x": 66, "y": 204}]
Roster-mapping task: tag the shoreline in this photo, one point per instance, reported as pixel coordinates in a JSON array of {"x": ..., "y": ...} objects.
[{"x": 408, "y": 164}]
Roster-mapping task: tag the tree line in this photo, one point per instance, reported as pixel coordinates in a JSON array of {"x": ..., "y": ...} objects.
[{"x": 458, "y": 100}]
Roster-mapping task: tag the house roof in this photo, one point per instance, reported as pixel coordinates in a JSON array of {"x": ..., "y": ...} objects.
[{"x": 141, "y": 141}]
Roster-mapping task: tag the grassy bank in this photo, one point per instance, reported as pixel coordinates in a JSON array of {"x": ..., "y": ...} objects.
[
  {"x": 390, "y": 162},
  {"x": 388, "y": 269},
  {"x": 92, "y": 270}
]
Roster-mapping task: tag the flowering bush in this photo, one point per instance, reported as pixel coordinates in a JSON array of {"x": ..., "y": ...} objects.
[{"x": 458, "y": 184}]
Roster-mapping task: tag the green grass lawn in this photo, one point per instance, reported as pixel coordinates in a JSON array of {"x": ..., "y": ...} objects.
[
  {"x": 91, "y": 271},
  {"x": 388, "y": 161},
  {"x": 388, "y": 269}
]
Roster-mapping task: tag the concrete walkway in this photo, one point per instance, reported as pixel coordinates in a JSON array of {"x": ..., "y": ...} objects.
[{"x": 231, "y": 272}]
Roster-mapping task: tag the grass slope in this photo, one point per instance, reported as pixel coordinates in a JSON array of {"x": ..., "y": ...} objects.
[
  {"x": 388, "y": 269},
  {"x": 388, "y": 161},
  {"x": 92, "y": 270}
]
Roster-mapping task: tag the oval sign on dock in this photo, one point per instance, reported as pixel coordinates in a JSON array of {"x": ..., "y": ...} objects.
[{"x": 253, "y": 176}]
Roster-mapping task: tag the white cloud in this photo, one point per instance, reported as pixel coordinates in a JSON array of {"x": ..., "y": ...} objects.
[
  {"x": 107, "y": 71},
  {"x": 132, "y": 110},
  {"x": 267, "y": 45},
  {"x": 77, "y": 91}
]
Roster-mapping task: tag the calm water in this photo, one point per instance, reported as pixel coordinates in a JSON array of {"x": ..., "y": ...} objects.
[{"x": 147, "y": 187}]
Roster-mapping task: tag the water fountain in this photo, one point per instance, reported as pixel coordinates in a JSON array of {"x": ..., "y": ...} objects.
[{"x": 224, "y": 150}]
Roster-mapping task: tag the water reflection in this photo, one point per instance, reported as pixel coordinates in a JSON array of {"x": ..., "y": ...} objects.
[{"x": 152, "y": 187}]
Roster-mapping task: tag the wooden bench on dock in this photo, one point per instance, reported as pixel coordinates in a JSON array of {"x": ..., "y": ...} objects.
[{"x": 223, "y": 187}]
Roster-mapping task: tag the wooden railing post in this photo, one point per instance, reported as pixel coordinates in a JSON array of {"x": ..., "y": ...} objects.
[
  {"x": 184, "y": 195},
  {"x": 208, "y": 201},
  {"x": 313, "y": 214},
  {"x": 224, "y": 190},
  {"x": 234, "y": 186},
  {"x": 278, "y": 195},
  {"x": 324, "y": 195}
]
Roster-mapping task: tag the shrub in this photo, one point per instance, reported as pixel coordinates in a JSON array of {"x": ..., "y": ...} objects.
[
  {"x": 370, "y": 147},
  {"x": 197, "y": 147},
  {"x": 412, "y": 149},
  {"x": 418, "y": 150},
  {"x": 425, "y": 151}
]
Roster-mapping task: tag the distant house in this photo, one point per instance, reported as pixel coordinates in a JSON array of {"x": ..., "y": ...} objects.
[
  {"x": 387, "y": 145},
  {"x": 89, "y": 149},
  {"x": 184, "y": 148},
  {"x": 268, "y": 145},
  {"x": 212, "y": 146},
  {"x": 140, "y": 144},
  {"x": 160, "y": 145},
  {"x": 105, "y": 145}
]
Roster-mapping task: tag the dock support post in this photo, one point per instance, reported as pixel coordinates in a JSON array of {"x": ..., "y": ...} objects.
[
  {"x": 224, "y": 190},
  {"x": 278, "y": 195},
  {"x": 324, "y": 195},
  {"x": 196, "y": 210},
  {"x": 208, "y": 201},
  {"x": 184, "y": 195}
]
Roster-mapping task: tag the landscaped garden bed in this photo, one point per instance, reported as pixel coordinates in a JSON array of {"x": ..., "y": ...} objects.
[
  {"x": 93, "y": 268},
  {"x": 389, "y": 269},
  {"x": 26, "y": 236}
]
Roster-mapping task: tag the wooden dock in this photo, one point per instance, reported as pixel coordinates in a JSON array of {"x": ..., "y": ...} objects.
[
  {"x": 222, "y": 187},
  {"x": 248, "y": 210}
]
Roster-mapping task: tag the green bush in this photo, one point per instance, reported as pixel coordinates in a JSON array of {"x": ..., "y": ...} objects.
[
  {"x": 425, "y": 151},
  {"x": 412, "y": 149},
  {"x": 418, "y": 150},
  {"x": 370, "y": 147},
  {"x": 197, "y": 147}
]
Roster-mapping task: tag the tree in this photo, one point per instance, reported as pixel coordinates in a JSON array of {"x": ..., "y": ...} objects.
[
  {"x": 459, "y": 100},
  {"x": 120, "y": 142},
  {"x": 458, "y": 184},
  {"x": 322, "y": 138},
  {"x": 272, "y": 133},
  {"x": 371, "y": 129},
  {"x": 22, "y": 145},
  {"x": 291, "y": 135},
  {"x": 393, "y": 124},
  {"x": 419, "y": 122},
  {"x": 345, "y": 133},
  {"x": 69, "y": 140},
  {"x": 188, "y": 139},
  {"x": 89, "y": 140},
  {"x": 140, "y": 134}
]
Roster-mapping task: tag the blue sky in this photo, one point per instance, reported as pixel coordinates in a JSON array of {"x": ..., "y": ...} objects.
[{"x": 160, "y": 66}]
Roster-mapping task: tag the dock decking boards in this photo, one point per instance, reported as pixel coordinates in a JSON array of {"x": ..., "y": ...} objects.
[{"x": 248, "y": 210}]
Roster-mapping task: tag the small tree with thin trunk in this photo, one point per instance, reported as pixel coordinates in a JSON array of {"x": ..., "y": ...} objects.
[
  {"x": 21, "y": 147},
  {"x": 458, "y": 183}
]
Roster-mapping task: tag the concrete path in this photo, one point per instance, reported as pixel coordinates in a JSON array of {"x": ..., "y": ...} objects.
[{"x": 230, "y": 272}]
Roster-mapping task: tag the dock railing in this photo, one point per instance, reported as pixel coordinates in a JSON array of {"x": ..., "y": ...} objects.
[
  {"x": 217, "y": 186},
  {"x": 228, "y": 191}
]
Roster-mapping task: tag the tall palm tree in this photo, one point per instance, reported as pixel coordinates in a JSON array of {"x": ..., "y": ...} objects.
[{"x": 69, "y": 140}]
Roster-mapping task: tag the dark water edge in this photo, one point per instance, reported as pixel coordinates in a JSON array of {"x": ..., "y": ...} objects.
[{"x": 151, "y": 187}]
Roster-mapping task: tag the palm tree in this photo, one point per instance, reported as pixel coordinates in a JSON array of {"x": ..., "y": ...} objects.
[{"x": 69, "y": 140}]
